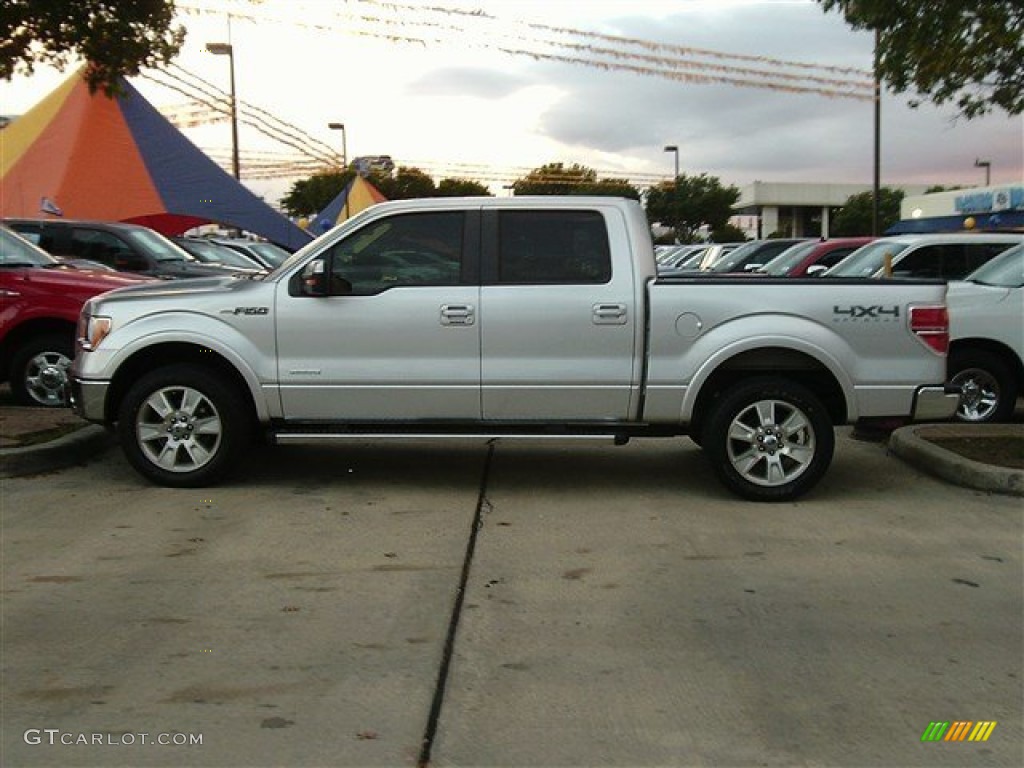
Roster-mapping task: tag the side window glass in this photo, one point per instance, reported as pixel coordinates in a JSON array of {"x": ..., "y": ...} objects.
[
  {"x": 103, "y": 247},
  {"x": 926, "y": 261},
  {"x": 553, "y": 247},
  {"x": 416, "y": 249}
]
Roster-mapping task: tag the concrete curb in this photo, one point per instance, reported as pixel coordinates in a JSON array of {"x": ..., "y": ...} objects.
[
  {"x": 65, "y": 451},
  {"x": 909, "y": 445}
]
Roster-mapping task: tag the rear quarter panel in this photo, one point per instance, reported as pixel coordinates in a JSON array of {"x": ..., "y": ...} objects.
[{"x": 856, "y": 329}]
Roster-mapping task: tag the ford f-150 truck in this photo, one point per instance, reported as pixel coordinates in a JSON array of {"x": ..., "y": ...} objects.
[{"x": 513, "y": 317}]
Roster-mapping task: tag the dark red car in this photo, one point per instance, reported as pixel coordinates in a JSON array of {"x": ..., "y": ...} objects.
[
  {"x": 40, "y": 299},
  {"x": 822, "y": 254}
]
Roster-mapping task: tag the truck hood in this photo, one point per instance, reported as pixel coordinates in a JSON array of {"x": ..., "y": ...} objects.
[{"x": 76, "y": 281}]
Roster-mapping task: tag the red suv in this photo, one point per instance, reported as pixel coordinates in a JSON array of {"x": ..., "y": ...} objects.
[{"x": 40, "y": 299}]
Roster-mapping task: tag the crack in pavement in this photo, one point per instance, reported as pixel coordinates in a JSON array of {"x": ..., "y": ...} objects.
[{"x": 482, "y": 505}]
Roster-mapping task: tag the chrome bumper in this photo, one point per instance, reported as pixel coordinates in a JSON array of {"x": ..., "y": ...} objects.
[
  {"x": 88, "y": 399},
  {"x": 935, "y": 403}
]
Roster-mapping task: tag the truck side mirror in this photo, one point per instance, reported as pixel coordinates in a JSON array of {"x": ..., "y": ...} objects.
[{"x": 313, "y": 279}]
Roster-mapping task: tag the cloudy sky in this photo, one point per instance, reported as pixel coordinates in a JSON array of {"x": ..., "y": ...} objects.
[{"x": 525, "y": 82}]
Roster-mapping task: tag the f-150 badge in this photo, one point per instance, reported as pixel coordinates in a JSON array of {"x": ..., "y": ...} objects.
[{"x": 246, "y": 311}]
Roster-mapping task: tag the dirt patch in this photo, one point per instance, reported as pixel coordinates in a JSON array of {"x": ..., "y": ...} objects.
[{"x": 999, "y": 450}]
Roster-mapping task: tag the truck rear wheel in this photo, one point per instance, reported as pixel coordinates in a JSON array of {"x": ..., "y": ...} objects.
[
  {"x": 39, "y": 370},
  {"x": 988, "y": 392},
  {"x": 769, "y": 439},
  {"x": 182, "y": 426}
]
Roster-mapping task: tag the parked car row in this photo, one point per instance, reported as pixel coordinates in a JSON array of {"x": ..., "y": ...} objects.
[{"x": 49, "y": 268}]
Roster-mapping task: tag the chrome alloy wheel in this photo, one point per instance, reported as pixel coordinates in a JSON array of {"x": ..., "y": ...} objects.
[
  {"x": 770, "y": 442},
  {"x": 979, "y": 394},
  {"x": 178, "y": 429},
  {"x": 46, "y": 376}
]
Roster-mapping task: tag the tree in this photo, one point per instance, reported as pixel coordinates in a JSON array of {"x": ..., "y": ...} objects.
[
  {"x": 728, "y": 233},
  {"x": 691, "y": 202},
  {"x": 308, "y": 196},
  {"x": 947, "y": 50},
  {"x": 406, "y": 183},
  {"x": 854, "y": 218},
  {"x": 461, "y": 188},
  {"x": 116, "y": 37},
  {"x": 556, "y": 179}
]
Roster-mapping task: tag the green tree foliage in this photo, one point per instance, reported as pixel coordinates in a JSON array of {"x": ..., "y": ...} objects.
[
  {"x": 691, "y": 202},
  {"x": 406, "y": 183},
  {"x": 728, "y": 233},
  {"x": 308, "y": 196},
  {"x": 969, "y": 52},
  {"x": 462, "y": 188},
  {"x": 557, "y": 179},
  {"x": 116, "y": 37},
  {"x": 854, "y": 218}
]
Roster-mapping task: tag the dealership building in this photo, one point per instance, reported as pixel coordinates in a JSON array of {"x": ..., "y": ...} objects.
[{"x": 790, "y": 209}]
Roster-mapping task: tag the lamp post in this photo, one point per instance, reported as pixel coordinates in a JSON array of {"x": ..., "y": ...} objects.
[
  {"x": 226, "y": 49},
  {"x": 987, "y": 165},
  {"x": 344, "y": 154},
  {"x": 344, "y": 143},
  {"x": 675, "y": 150}
]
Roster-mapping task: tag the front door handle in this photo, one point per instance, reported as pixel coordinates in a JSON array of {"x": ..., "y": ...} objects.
[
  {"x": 457, "y": 314},
  {"x": 610, "y": 314}
]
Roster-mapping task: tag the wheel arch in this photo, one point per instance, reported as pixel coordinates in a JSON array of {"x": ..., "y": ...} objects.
[
  {"x": 30, "y": 329},
  {"x": 784, "y": 362},
  {"x": 172, "y": 352},
  {"x": 993, "y": 347}
]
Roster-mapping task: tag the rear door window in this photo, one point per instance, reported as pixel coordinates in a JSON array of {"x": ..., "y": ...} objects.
[{"x": 553, "y": 247}]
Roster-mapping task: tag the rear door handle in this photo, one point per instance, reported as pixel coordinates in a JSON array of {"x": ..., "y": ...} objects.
[
  {"x": 610, "y": 314},
  {"x": 457, "y": 314}
]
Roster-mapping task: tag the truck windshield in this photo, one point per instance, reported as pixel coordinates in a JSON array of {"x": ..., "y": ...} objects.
[
  {"x": 158, "y": 246},
  {"x": 1004, "y": 271},
  {"x": 789, "y": 258},
  {"x": 15, "y": 251},
  {"x": 867, "y": 260}
]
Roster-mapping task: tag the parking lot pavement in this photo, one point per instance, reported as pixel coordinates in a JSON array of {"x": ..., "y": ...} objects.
[{"x": 620, "y": 609}]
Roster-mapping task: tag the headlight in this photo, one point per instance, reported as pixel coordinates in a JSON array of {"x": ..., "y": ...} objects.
[{"x": 92, "y": 330}]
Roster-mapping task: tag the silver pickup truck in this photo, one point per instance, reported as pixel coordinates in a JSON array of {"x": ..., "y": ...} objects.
[{"x": 510, "y": 318}]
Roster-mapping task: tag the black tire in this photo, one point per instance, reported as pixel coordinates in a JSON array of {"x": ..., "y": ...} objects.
[
  {"x": 988, "y": 390},
  {"x": 769, "y": 439},
  {"x": 39, "y": 370},
  {"x": 183, "y": 426}
]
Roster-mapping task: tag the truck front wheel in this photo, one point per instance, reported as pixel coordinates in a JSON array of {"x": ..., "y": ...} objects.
[
  {"x": 769, "y": 439},
  {"x": 182, "y": 426}
]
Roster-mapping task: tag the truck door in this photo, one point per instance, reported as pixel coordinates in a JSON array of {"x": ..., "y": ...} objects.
[
  {"x": 558, "y": 319},
  {"x": 398, "y": 336}
]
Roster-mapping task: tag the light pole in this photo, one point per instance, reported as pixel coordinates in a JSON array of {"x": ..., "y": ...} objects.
[
  {"x": 226, "y": 49},
  {"x": 344, "y": 153},
  {"x": 675, "y": 150},
  {"x": 344, "y": 143},
  {"x": 987, "y": 165}
]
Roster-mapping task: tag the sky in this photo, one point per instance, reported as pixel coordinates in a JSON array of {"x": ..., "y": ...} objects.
[{"x": 495, "y": 94}]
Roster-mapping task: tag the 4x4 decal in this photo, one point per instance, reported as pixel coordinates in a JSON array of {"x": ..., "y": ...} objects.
[{"x": 858, "y": 312}]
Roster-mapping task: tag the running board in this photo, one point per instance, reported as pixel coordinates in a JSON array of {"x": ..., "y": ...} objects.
[{"x": 283, "y": 438}]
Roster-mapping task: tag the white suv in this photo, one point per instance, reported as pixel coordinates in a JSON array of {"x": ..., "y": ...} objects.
[
  {"x": 986, "y": 324},
  {"x": 942, "y": 256}
]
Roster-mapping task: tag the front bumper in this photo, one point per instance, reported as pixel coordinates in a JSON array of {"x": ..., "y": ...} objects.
[
  {"x": 88, "y": 399},
  {"x": 935, "y": 403}
]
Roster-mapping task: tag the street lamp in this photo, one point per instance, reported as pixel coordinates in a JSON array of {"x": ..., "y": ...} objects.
[
  {"x": 987, "y": 165},
  {"x": 344, "y": 143},
  {"x": 226, "y": 49},
  {"x": 675, "y": 150}
]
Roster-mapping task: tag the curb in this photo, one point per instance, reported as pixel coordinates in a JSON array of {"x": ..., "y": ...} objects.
[
  {"x": 63, "y": 452},
  {"x": 906, "y": 443}
]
